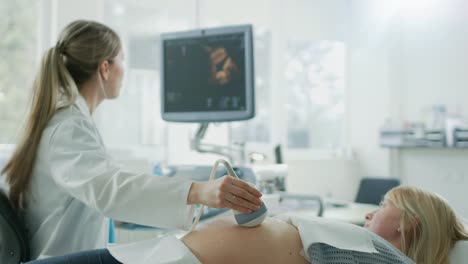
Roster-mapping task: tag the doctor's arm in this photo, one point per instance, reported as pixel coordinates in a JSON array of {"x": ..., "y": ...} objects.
[{"x": 81, "y": 166}]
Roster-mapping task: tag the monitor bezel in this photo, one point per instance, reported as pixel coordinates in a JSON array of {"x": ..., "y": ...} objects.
[{"x": 214, "y": 116}]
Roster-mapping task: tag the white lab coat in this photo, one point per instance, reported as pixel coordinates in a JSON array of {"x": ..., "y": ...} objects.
[{"x": 75, "y": 186}]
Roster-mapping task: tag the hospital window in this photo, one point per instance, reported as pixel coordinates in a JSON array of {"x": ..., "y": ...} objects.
[
  {"x": 315, "y": 77},
  {"x": 18, "y": 52}
]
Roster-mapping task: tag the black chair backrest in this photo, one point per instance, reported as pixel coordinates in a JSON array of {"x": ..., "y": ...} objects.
[
  {"x": 278, "y": 154},
  {"x": 14, "y": 246},
  {"x": 372, "y": 190}
]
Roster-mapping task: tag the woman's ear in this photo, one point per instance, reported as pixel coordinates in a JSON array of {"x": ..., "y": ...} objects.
[{"x": 104, "y": 70}]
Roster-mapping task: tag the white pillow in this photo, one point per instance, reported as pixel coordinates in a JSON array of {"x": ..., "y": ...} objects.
[{"x": 459, "y": 253}]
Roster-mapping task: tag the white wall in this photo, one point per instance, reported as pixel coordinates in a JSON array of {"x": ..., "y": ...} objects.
[
  {"x": 369, "y": 87},
  {"x": 434, "y": 55},
  {"x": 444, "y": 171},
  {"x": 402, "y": 61},
  {"x": 435, "y": 60},
  {"x": 56, "y": 14}
]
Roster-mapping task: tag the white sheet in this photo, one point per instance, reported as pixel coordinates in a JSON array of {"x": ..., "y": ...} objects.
[
  {"x": 162, "y": 250},
  {"x": 336, "y": 233}
]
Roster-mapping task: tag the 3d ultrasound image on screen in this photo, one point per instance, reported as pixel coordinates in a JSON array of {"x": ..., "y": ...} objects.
[
  {"x": 205, "y": 74},
  {"x": 208, "y": 73}
]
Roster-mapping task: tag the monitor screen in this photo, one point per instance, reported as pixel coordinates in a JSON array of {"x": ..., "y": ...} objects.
[{"x": 207, "y": 75}]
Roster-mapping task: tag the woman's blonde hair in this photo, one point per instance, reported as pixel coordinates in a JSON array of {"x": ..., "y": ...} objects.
[
  {"x": 429, "y": 226},
  {"x": 81, "y": 47}
]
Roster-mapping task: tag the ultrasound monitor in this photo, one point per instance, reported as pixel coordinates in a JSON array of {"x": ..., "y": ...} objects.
[{"x": 208, "y": 75}]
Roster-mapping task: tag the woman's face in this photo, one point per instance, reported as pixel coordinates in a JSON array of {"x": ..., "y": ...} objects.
[
  {"x": 116, "y": 73},
  {"x": 385, "y": 221}
]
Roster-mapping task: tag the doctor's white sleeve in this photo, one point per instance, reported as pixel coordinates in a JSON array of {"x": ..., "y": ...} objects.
[{"x": 81, "y": 165}]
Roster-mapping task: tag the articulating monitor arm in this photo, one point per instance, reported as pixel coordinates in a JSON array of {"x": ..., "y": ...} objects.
[{"x": 232, "y": 154}]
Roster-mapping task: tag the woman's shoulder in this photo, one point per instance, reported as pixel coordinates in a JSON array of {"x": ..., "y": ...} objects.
[
  {"x": 388, "y": 251},
  {"x": 68, "y": 115},
  {"x": 68, "y": 120}
]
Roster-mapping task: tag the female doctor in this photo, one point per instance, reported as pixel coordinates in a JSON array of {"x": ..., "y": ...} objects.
[{"x": 62, "y": 179}]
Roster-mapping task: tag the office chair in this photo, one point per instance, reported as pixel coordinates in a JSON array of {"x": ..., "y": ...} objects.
[
  {"x": 372, "y": 190},
  {"x": 14, "y": 246}
]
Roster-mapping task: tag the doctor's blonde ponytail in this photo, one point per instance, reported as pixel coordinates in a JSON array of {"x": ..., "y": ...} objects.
[{"x": 82, "y": 45}]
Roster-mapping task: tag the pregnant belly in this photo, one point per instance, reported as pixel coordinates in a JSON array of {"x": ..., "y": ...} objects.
[{"x": 223, "y": 241}]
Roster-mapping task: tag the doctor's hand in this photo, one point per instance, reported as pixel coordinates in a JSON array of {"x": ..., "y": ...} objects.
[{"x": 226, "y": 192}]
